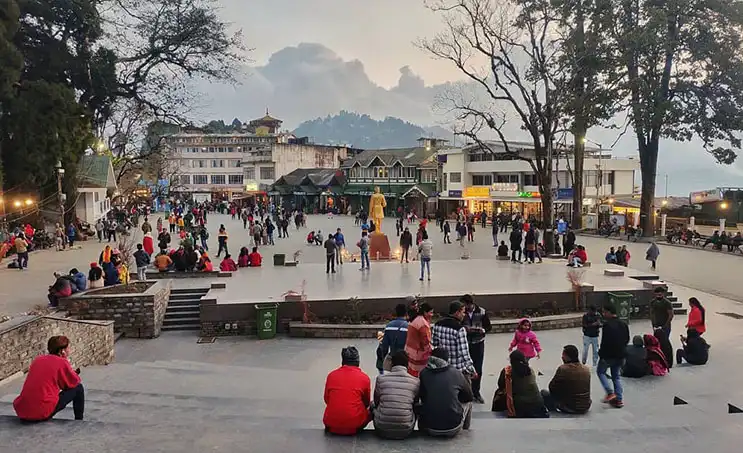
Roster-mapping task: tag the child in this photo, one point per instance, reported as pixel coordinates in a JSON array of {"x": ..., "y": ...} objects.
[{"x": 525, "y": 340}]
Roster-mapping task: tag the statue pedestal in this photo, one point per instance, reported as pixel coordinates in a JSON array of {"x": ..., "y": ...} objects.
[{"x": 379, "y": 246}]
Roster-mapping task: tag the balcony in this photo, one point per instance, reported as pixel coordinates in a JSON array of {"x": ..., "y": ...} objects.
[{"x": 257, "y": 158}]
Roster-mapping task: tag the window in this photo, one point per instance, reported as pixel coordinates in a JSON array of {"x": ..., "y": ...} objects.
[
  {"x": 381, "y": 172},
  {"x": 236, "y": 179},
  {"x": 185, "y": 179},
  {"x": 97, "y": 197},
  {"x": 202, "y": 163},
  {"x": 267, "y": 173},
  {"x": 505, "y": 177},
  {"x": 218, "y": 179},
  {"x": 199, "y": 179},
  {"x": 428, "y": 176},
  {"x": 234, "y": 163},
  {"x": 217, "y": 163},
  {"x": 443, "y": 182},
  {"x": 590, "y": 178},
  {"x": 249, "y": 173},
  {"x": 530, "y": 180},
  {"x": 212, "y": 149},
  {"x": 455, "y": 177},
  {"x": 482, "y": 180},
  {"x": 609, "y": 178}
]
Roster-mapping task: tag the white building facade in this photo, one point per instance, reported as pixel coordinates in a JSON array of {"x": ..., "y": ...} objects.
[{"x": 495, "y": 181}]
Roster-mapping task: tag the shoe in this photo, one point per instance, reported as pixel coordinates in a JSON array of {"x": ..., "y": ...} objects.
[
  {"x": 429, "y": 279},
  {"x": 609, "y": 398},
  {"x": 333, "y": 272},
  {"x": 421, "y": 279},
  {"x": 616, "y": 403}
]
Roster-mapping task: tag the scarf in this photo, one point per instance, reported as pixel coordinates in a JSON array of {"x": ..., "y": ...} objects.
[
  {"x": 106, "y": 255},
  {"x": 510, "y": 407}
]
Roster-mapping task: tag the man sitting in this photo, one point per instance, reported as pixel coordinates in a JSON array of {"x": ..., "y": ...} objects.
[
  {"x": 636, "y": 361},
  {"x": 395, "y": 394},
  {"x": 570, "y": 388},
  {"x": 163, "y": 263},
  {"x": 347, "y": 396},
  {"x": 446, "y": 397},
  {"x": 695, "y": 349},
  {"x": 255, "y": 259},
  {"x": 51, "y": 384},
  {"x": 503, "y": 249}
]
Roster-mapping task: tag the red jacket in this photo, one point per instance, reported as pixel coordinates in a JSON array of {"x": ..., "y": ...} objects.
[
  {"x": 581, "y": 254},
  {"x": 347, "y": 398},
  {"x": 255, "y": 259},
  {"x": 242, "y": 260},
  {"x": 227, "y": 265},
  {"x": 695, "y": 320},
  {"x": 47, "y": 376}
]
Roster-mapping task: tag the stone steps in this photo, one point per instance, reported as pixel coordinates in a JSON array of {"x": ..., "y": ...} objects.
[{"x": 183, "y": 309}]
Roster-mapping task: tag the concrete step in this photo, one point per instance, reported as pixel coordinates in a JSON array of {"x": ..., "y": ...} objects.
[
  {"x": 182, "y": 308},
  {"x": 203, "y": 290},
  {"x": 182, "y": 302},
  {"x": 680, "y": 311},
  {"x": 186, "y": 320},
  {"x": 673, "y": 299},
  {"x": 180, "y": 327},
  {"x": 677, "y": 305},
  {"x": 182, "y": 314},
  {"x": 187, "y": 296}
]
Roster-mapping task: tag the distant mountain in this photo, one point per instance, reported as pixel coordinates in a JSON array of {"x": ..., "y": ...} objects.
[{"x": 362, "y": 131}]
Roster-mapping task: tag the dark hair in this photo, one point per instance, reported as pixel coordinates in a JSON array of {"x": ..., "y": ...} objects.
[
  {"x": 400, "y": 358},
  {"x": 139, "y": 246},
  {"x": 255, "y": 249},
  {"x": 660, "y": 289},
  {"x": 73, "y": 271},
  {"x": 227, "y": 256},
  {"x": 611, "y": 309},
  {"x": 694, "y": 302},
  {"x": 467, "y": 299},
  {"x": 425, "y": 307},
  {"x": 424, "y": 235},
  {"x": 571, "y": 352},
  {"x": 441, "y": 353},
  {"x": 400, "y": 310},
  {"x": 519, "y": 365},
  {"x": 455, "y": 306},
  {"x": 57, "y": 344}
]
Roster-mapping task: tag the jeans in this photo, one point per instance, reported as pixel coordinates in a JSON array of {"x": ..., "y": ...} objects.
[
  {"x": 22, "y": 260},
  {"x": 76, "y": 396},
  {"x": 339, "y": 255},
  {"x": 426, "y": 264},
  {"x": 203, "y": 244},
  {"x": 100, "y": 235},
  {"x": 495, "y": 240},
  {"x": 365, "y": 258},
  {"x": 447, "y": 238},
  {"x": 404, "y": 254},
  {"x": 513, "y": 255},
  {"x": 592, "y": 342},
  {"x": 329, "y": 263},
  {"x": 270, "y": 239},
  {"x": 615, "y": 366},
  {"x": 223, "y": 246},
  {"x": 142, "y": 274},
  {"x": 477, "y": 352}
]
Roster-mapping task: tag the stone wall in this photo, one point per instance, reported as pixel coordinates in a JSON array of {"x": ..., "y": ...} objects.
[
  {"x": 137, "y": 314},
  {"x": 155, "y": 275},
  {"x": 91, "y": 342}
]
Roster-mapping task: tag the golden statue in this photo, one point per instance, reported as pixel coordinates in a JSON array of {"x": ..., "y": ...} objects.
[{"x": 377, "y": 203}]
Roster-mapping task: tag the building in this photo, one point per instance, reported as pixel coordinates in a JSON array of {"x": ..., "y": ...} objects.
[
  {"x": 494, "y": 181},
  {"x": 263, "y": 167},
  {"x": 407, "y": 177},
  {"x": 96, "y": 179},
  {"x": 311, "y": 189},
  {"x": 206, "y": 165}
]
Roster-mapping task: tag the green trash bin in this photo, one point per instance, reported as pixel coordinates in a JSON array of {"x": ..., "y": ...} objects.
[
  {"x": 279, "y": 259},
  {"x": 266, "y": 317},
  {"x": 622, "y": 302}
]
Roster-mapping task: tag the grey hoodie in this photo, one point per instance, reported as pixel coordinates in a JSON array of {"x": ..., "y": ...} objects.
[{"x": 443, "y": 390}]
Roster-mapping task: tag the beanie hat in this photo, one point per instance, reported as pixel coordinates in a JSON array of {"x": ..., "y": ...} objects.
[{"x": 350, "y": 356}]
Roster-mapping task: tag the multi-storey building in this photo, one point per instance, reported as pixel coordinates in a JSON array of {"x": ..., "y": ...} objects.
[{"x": 495, "y": 181}]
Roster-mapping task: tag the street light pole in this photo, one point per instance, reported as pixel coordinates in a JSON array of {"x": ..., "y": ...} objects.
[
  {"x": 60, "y": 195},
  {"x": 666, "y": 197}
]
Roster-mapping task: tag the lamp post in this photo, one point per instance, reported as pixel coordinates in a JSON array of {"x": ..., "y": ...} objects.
[{"x": 60, "y": 195}]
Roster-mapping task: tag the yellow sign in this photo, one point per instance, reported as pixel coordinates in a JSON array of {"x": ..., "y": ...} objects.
[
  {"x": 477, "y": 192},
  {"x": 251, "y": 185}
]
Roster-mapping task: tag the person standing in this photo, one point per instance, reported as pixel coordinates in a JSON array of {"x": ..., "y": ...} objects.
[
  {"x": 99, "y": 230},
  {"x": 652, "y": 254},
  {"x": 142, "y": 260},
  {"x": 530, "y": 245},
  {"x": 425, "y": 250},
  {"x": 340, "y": 244},
  {"x": 568, "y": 242},
  {"x": 395, "y": 337},
  {"x": 494, "y": 232},
  {"x": 406, "y": 241},
  {"x": 447, "y": 232},
  {"x": 477, "y": 322},
  {"x": 71, "y": 234},
  {"x": 591, "y": 327},
  {"x": 363, "y": 245},
  {"x": 21, "y": 249},
  {"x": 614, "y": 339},
  {"x": 418, "y": 339},
  {"x": 483, "y": 219},
  {"x": 661, "y": 311},
  {"x": 451, "y": 335},
  {"x": 697, "y": 316},
  {"x": 330, "y": 254},
  {"x": 515, "y": 238},
  {"x": 222, "y": 240},
  {"x": 112, "y": 230}
]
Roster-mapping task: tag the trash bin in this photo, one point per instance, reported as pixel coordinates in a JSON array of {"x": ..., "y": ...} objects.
[
  {"x": 266, "y": 316},
  {"x": 279, "y": 259},
  {"x": 622, "y": 302}
]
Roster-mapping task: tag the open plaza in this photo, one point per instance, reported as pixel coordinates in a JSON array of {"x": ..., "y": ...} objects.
[{"x": 239, "y": 393}]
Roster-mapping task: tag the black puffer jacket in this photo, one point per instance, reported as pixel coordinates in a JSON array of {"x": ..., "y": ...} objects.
[{"x": 443, "y": 390}]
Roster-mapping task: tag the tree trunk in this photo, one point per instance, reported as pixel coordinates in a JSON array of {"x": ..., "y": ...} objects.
[
  {"x": 648, "y": 168},
  {"x": 547, "y": 219},
  {"x": 578, "y": 157}
]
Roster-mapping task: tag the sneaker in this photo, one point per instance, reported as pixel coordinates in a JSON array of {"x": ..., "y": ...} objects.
[
  {"x": 609, "y": 398},
  {"x": 616, "y": 403}
]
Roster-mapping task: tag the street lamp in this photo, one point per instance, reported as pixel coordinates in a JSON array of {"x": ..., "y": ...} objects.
[
  {"x": 29, "y": 202},
  {"x": 664, "y": 202},
  {"x": 17, "y": 203},
  {"x": 723, "y": 205},
  {"x": 60, "y": 195}
]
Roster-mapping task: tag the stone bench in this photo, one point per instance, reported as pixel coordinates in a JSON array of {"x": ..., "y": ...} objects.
[
  {"x": 652, "y": 284},
  {"x": 614, "y": 272}
]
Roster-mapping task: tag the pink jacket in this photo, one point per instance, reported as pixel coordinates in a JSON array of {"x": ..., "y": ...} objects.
[{"x": 527, "y": 343}]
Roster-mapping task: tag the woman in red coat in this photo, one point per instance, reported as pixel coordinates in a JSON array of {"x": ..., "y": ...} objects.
[
  {"x": 696, "y": 316},
  {"x": 148, "y": 244}
]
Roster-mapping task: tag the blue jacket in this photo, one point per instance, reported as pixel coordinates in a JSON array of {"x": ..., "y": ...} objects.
[
  {"x": 395, "y": 335},
  {"x": 339, "y": 239},
  {"x": 81, "y": 281}
]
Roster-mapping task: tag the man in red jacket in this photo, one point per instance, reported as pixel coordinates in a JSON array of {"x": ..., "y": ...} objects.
[
  {"x": 347, "y": 396},
  {"x": 51, "y": 384}
]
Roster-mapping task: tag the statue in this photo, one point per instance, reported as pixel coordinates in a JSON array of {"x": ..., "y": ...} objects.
[{"x": 377, "y": 203}]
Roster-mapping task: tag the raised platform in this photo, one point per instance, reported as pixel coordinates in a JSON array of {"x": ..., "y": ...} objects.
[{"x": 499, "y": 286}]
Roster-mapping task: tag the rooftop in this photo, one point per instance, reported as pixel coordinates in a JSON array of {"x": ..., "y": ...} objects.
[{"x": 416, "y": 156}]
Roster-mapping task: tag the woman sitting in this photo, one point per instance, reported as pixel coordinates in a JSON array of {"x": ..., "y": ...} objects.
[
  {"x": 636, "y": 359},
  {"x": 657, "y": 363},
  {"x": 255, "y": 259},
  {"x": 518, "y": 393},
  {"x": 95, "y": 276},
  {"x": 242, "y": 260},
  {"x": 311, "y": 238},
  {"x": 227, "y": 264},
  {"x": 205, "y": 263}
]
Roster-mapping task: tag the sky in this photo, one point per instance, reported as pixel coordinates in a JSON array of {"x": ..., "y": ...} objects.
[{"x": 313, "y": 58}]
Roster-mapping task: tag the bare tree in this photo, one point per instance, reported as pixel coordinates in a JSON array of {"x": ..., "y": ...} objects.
[{"x": 511, "y": 51}]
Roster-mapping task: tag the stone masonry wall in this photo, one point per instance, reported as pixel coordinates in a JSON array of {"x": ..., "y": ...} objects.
[
  {"x": 91, "y": 342},
  {"x": 136, "y": 315}
]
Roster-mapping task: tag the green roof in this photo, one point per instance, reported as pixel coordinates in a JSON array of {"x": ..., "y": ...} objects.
[
  {"x": 96, "y": 172},
  {"x": 408, "y": 157}
]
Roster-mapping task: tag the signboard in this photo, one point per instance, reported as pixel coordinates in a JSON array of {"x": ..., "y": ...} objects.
[
  {"x": 477, "y": 192},
  {"x": 705, "y": 196},
  {"x": 251, "y": 185},
  {"x": 529, "y": 195},
  {"x": 564, "y": 194},
  {"x": 505, "y": 187},
  {"x": 455, "y": 193}
]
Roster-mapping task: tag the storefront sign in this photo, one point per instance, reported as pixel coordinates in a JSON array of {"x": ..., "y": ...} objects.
[
  {"x": 251, "y": 185},
  {"x": 455, "y": 193},
  {"x": 300, "y": 193},
  {"x": 505, "y": 187},
  {"x": 529, "y": 195},
  {"x": 564, "y": 194},
  {"x": 477, "y": 192},
  {"x": 705, "y": 196}
]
